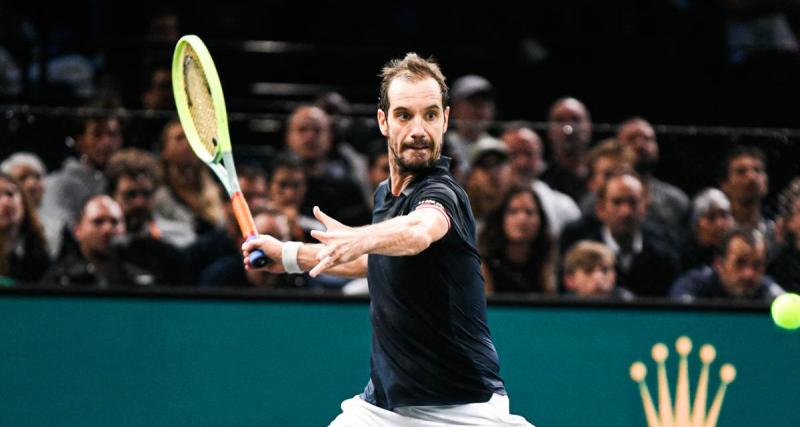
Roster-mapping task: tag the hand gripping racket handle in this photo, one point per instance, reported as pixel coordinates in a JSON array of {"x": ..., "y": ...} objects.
[
  {"x": 257, "y": 258},
  {"x": 242, "y": 212}
]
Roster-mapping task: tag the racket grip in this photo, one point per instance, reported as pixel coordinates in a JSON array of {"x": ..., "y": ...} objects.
[{"x": 257, "y": 258}]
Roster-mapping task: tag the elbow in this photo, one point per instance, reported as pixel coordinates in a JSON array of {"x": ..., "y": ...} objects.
[{"x": 419, "y": 241}]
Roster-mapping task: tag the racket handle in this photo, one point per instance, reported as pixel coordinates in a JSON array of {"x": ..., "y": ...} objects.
[{"x": 257, "y": 258}]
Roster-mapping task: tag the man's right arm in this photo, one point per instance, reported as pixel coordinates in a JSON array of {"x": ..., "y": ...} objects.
[{"x": 306, "y": 257}]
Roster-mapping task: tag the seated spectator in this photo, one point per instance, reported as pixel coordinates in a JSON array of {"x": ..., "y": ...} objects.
[
  {"x": 472, "y": 112},
  {"x": 744, "y": 179},
  {"x": 646, "y": 265},
  {"x": 607, "y": 158},
  {"x": 229, "y": 271},
  {"x": 589, "y": 272},
  {"x": 29, "y": 171},
  {"x": 99, "y": 223},
  {"x": 785, "y": 268},
  {"x": 156, "y": 100},
  {"x": 134, "y": 176},
  {"x": 668, "y": 206},
  {"x": 518, "y": 254},
  {"x": 287, "y": 190},
  {"x": 489, "y": 179},
  {"x": 189, "y": 194},
  {"x": 378, "y": 161},
  {"x": 23, "y": 251},
  {"x": 329, "y": 184},
  {"x": 525, "y": 154},
  {"x": 737, "y": 273},
  {"x": 570, "y": 134},
  {"x": 108, "y": 259},
  {"x": 338, "y": 109},
  {"x": 711, "y": 219},
  {"x": 253, "y": 184},
  {"x": 97, "y": 136}
]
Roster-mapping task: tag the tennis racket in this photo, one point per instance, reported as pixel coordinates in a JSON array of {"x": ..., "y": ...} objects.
[{"x": 201, "y": 109}]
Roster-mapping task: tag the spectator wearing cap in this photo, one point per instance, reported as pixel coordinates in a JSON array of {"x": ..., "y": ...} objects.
[
  {"x": 570, "y": 134},
  {"x": 472, "y": 112},
  {"x": 711, "y": 219},
  {"x": 737, "y": 272},
  {"x": 525, "y": 154},
  {"x": 489, "y": 179}
]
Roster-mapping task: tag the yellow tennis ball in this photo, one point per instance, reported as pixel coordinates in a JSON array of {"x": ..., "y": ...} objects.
[{"x": 786, "y": 311}]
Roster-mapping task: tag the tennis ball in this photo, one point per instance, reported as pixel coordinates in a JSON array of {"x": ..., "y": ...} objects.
[{"x": 786, "y": 311}]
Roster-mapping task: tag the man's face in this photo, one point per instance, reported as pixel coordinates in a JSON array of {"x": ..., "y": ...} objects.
[
  {"x": 379, "y": 170},
  {"x": 309, "y": 133},
  {"x": 599, "y": 280},
  {"x": 489, "y": 181},
  {"x": 287, "y": 188},
  {"x": 255, "y": 190},
  {"x": 640, "y": 137},
  {"x": 792, "y": 222},
  {"x": 525, "y": 153},
  {"x": 603, "y": 168},
  {"x": 135, "y": 197},
  {"x": 415, "y": 123},
  {"x": 746, "y": 180},
  {"x": 713, "y": 225},
  {"x": 570, "y": 130},
  {"x": 623, "y": 208},
  {"x": 176, "y": 150},
  {"x": 31, "y": 181},
  {"x": 742, "y": 267},
  {"x": 99, "y": 140},
  {"x": 102, "y": 221},
  {"x": 159, "y": 95},
  {"x": 12, "y": 209}
]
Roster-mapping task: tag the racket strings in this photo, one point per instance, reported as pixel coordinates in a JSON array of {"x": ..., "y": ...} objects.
[{"x": 201, "y": 105}]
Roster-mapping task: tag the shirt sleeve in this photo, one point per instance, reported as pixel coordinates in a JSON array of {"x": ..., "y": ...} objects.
[{"x": 439, "y": 196}]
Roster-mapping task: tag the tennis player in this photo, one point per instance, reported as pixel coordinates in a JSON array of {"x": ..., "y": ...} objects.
[{"x": 433, "y": 361}]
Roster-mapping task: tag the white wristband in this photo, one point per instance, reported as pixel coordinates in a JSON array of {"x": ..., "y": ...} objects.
[{"x": 289, "y": 252}]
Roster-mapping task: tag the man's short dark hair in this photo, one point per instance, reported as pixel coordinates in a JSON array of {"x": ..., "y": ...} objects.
[
  {"x": 132, "y": 163},
  {"x": 750, "y": 235},
  {"x": 736, "y": 152}
]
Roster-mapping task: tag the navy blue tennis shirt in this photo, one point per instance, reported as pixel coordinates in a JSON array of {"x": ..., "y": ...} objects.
[{"x": 431, "y": 344}]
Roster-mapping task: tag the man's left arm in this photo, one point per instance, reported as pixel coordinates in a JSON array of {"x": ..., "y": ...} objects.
[{"x": 400, "y": 236}]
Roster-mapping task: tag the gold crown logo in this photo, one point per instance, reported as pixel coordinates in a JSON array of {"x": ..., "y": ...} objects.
[{"x": 682, "y": 415}]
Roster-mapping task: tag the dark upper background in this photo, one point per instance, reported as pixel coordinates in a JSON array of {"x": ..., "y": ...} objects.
[{"x": 668, "y": 60}]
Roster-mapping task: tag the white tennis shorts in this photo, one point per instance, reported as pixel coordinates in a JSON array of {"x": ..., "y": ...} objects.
[{"x": 494, "y": 413}]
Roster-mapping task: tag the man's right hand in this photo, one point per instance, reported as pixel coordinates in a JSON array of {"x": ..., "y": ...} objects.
[{"x": 271, "y": 248}]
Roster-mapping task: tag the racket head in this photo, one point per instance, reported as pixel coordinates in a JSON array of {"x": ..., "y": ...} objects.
[{"x": 199, "y": 100}]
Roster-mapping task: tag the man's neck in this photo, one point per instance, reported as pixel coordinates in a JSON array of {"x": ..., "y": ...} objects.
[
  {"x": 571, "y": 162},
  {"x": 399, "y": 181},
  {"x": 315, "y": 168},
  {"x": 746, "y": 212}
]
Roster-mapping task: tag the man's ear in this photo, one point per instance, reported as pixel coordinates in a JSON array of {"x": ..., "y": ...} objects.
[
  {"x": 383, "y": 123},
  {"x": 446, "y": 118}
]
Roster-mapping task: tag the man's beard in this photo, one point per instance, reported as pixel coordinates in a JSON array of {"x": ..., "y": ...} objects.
[{"x": 408, "y": 167}]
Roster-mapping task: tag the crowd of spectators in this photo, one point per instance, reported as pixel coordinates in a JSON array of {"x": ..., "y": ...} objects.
[
  {"x": 592, "y": 220},
  {"x": 561, "y": 213}
]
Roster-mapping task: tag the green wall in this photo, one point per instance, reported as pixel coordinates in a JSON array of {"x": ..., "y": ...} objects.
[{"x": 88, "y": 361}]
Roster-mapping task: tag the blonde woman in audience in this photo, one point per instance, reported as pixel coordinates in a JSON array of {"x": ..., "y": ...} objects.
[
  {"x": 189, "y": 193},
  {"x": 517, "y": 251},
  {"x": 23, "y": 252}
]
